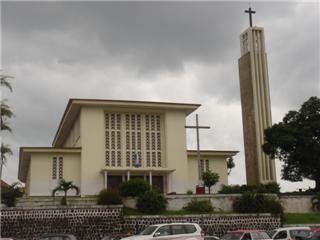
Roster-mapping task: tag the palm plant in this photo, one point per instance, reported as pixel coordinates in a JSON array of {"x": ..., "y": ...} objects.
[
  {"x": 65, "y": 186},
  {"x": 316, "y": 202},
  {"x": 4, "y": 82},
  {"x": 5, "y": 113},
  {"x": 4, "y": 152}
]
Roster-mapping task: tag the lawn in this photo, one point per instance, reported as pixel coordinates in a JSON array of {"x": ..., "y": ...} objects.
[{"x": 301, "y": 218}]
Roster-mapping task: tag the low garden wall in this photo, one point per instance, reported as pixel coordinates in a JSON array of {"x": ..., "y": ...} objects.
[
  {"x": 85, "y": 223},
  {"x": 211, "y": 224},
  {"x": 296, "y": 203},
  {"x": 223, "y": 202}
]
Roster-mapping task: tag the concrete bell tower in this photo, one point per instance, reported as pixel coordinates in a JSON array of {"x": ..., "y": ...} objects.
[{"x": 255, "y": 102}]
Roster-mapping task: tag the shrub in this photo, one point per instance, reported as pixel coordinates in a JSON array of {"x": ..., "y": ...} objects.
[
  {"x": 10, "y": 194},
  {"x": 199, "y": 206},
  {"x": 272, "y": 187},
  {"x": 151, "y": 202},
  {"x": 189, "y": 192},
  {"x": 134, "y": 188},
  {"x": 257, "y": 203},
  {"x": 108, "y": 197}
]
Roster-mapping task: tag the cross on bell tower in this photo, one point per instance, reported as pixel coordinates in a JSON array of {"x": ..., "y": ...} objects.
[{"x": 250, "y": 12}]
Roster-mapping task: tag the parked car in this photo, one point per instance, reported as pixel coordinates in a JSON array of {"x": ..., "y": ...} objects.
[
  {"x": 212, "y": 237},
  {"x": 246, "y": 235},
  {"x": 290, "y": 233},
  {"x": 185, "y": 231},
  {"x": 58, "y": 237},
  {"x": 315, "y": 234}
]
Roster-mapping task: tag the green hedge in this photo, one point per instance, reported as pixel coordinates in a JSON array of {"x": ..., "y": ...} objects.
[
  {"x": 134, "y": 188},
  {"x": 261, "y": 188},
  {"x": 257, "y": 203},
  {"x": 151, "y": 202},
  {"x": 199, "y": 206},
  {"x": 109, "y": 197}
]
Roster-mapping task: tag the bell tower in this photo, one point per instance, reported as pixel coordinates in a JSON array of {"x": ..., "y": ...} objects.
[{"x": 255, "y": 102}]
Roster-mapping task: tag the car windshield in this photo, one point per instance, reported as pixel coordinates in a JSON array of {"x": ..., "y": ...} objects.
[
  {"x": 149, "y": 230},
  {"x": 232, "y": 236},
  {"x": 315, "y": 236},
  {"x": 259, "y": 235},
  {"x": 271, "y": 233}
]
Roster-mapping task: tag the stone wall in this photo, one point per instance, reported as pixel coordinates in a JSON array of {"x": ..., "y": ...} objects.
[
  {"x": 85, "y": 223},
  {"x": 211, "y": 224},
  {"x": 95, "y": 222},
  {"x": 296, "y": 203}
]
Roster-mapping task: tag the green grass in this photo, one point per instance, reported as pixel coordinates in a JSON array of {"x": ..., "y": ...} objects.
[
  {"x": 135, "y": 212},
  {"x": 301, "y": 218}
]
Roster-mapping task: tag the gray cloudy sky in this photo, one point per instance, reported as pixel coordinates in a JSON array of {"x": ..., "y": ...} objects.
[{"x": 183, "y": 51}]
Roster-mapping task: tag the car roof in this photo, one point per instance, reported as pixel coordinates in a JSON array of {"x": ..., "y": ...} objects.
[
  {"x": 246, "y": 230},
  {"x": 176, "y": 223},
  {"x": 293, "y": 228},
  {"x": 57, "y": 235}
]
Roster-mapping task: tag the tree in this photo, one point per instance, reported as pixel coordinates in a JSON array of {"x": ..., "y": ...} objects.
[
  {"x": 5, "y": 115},
  {"x": 210, "y": 178},
  {"x": 9, "y": 194},
  {"x": 230, "y": 164},
  {"x": 65, "y": 186},
  {"x": 296, "y": 142}
]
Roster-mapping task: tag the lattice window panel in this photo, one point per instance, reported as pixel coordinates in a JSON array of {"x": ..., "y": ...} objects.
[
  {"x": 133, "y": 139},
  {"x": 153, "y": 141},
  {"x": 60, "y": 167},
  {"x": 204, "y": 166},
  {"x": 113, "y": 139},
  {"x": 54, "y": 168}
]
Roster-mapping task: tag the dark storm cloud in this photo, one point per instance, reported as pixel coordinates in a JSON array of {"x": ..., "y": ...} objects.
[
  {"x": 183, "y": 51},
  {"x": 152, "y": 36}
]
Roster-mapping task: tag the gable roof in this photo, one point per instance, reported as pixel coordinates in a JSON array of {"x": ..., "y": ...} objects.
[{"x": 74, "y": 105}]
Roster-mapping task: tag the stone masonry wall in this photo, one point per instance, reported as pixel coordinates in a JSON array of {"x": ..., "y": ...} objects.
[
  {"x": 211, "y": 224},
  {"x": 85, "y": 223},
  {"x": 95, "y": 222}
]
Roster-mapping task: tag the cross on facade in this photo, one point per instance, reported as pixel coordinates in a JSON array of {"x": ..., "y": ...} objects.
[
  {"x": 250, "y": 12},
  {"x": 197, "y": 127}
]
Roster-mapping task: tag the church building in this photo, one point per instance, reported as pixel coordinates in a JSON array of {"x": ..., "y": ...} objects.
[{"x": 103, "y": 143}]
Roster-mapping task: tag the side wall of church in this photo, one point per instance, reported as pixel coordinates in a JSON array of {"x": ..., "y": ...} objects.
[
  {"x": 41, "y": 181},
  {"x": 93, "y": 146},
  {"x": 217, "y": 164},
  {"x": 176, "y": 151}
]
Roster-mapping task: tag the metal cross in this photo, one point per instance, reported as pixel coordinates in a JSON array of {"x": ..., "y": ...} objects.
[
  {"x": 197, "y": 127},
  {"x": 250, "y": 12}
]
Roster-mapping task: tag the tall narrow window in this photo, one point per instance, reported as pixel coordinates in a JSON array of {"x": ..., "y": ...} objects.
[
  {"x": 113, "y": 139},
  {"x": 204, "y": 166},
  {"x": 60, "y": 167},
  {"x": 54, "y": 168},
  {"x": 153, "y": 141},
  {"x": 133, "y": 140}
]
